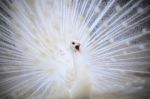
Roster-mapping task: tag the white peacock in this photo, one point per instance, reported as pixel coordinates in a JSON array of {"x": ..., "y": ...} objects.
[{"x": 73, "y": 49}]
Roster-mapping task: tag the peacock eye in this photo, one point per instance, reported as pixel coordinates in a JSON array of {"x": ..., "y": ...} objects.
[{"x": 73, "y": 43}]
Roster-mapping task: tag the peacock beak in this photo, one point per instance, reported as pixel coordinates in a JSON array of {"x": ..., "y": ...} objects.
[{"x": 77, "y": 47}]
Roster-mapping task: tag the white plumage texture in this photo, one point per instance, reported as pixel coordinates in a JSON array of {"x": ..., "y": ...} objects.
[{"x": 73, "y": 49}]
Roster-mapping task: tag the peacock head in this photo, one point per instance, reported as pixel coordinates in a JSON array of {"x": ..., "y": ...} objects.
[{"x": 76, "y": 46}]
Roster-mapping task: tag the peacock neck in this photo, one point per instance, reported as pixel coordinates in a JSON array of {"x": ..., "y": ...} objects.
[{"x": 82, "y": 85}]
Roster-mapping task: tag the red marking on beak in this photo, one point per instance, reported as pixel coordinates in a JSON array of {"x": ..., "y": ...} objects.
[{"x": 77, "y": 47}]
